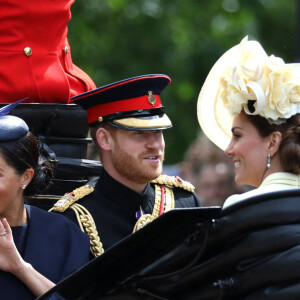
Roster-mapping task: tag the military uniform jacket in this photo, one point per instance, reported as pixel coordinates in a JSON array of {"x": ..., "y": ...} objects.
[
  {"x": 53, "y": 246},
  {"x": 35, "y": 54},
  {"x": 114, "y": 206}
]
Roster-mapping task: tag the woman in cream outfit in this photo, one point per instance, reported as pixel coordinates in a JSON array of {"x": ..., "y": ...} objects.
[{"x": 249, "y": 106}]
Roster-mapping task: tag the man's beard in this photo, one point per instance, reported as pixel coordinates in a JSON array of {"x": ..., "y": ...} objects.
[{"x": 131, "y": 167}]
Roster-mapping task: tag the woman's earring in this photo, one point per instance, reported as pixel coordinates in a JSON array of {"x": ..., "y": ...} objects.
[
  {"x": 23, "y": 186},
  {"x": 269, "y": 161}
]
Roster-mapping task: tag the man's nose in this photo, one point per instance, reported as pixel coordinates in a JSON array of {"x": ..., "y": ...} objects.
[{"x": 154, "y": 140}]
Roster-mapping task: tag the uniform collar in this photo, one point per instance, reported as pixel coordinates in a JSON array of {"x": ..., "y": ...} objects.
[{"x": 121, "y": 194}]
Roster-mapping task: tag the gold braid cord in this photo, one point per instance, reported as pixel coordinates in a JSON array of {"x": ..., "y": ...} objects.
[
  {"x": 87, "y": 225},
  {"x": 84, "y": 218},
  {"x": 170, "y": 199},
  {"x": 169, "y": 203},
  {"x": 69, "y": 198},
  {"x": 174, "y": 181}
]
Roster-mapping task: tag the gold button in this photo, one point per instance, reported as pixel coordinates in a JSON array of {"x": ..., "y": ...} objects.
[
  {"x": 66, "y": 49},
  {"x": 27, "y": 51},
  {"x": 100, "y": 119}
]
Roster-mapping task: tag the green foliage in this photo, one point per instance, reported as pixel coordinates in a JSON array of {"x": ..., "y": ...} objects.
[{"x": 116, "y": 39}]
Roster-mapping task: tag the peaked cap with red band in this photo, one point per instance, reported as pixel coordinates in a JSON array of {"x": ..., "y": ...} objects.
[{"x": 132, "y": 104}]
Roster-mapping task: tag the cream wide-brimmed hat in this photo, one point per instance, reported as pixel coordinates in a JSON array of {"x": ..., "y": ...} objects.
[{"x": 245, "y": 72}]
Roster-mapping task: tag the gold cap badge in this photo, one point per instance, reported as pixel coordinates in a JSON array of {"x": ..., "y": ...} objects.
[{"x": 151, "y": 98}]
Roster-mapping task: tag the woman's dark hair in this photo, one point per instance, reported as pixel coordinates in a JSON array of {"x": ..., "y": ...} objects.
[
  {"x": 23, "y": 154},
  {"x": 289, "y": 149}
]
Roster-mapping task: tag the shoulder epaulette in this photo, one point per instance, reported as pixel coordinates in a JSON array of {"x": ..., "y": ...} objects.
[
  {"x": 69, "y": 198},
  {"x": 174, "y": 181}
]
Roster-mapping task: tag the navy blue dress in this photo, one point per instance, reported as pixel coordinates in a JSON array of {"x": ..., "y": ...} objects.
[{"x": 52, "y": 244}]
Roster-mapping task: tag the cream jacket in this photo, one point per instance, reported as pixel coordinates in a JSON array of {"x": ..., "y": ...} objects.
[{"x": 274, "y": 182}]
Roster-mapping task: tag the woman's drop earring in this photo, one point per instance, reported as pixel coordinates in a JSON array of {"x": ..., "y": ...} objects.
[
  {"x": 23, "y": 186},
  {"x": 269, "y": 161}
]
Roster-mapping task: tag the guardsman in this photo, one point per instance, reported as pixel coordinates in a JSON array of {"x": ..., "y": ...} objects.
[
  {"x": 127, "y": 120},
  {"x": 35, "y": 54}
]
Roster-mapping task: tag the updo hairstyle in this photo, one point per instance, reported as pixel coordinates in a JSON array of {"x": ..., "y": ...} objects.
[
  {"x": 289, "y": 149},
  {"x": 23, "y": 154}
]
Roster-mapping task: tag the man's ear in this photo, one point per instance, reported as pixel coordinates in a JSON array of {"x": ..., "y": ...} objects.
[
  {"x": 274, "y": 142},
  {"x": 104, "y": 139}
]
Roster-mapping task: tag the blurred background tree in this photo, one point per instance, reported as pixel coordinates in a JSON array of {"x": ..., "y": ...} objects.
[{"x": 116, "y": 39}]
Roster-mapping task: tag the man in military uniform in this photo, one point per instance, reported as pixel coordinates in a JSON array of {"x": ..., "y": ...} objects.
[{"x": 127, "y": 119}]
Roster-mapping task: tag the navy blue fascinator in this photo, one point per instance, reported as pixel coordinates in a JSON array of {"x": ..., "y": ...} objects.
[{"x": 11, "y": 127}]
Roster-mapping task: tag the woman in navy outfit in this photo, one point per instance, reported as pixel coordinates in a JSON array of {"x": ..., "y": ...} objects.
[{"x": 37, "y": 248}]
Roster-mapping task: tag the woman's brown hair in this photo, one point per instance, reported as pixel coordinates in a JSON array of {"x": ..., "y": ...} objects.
[{"x": 289, "y": 149}]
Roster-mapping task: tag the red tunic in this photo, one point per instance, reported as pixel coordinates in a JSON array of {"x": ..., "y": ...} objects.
[{"x": 35, "y": 56}]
